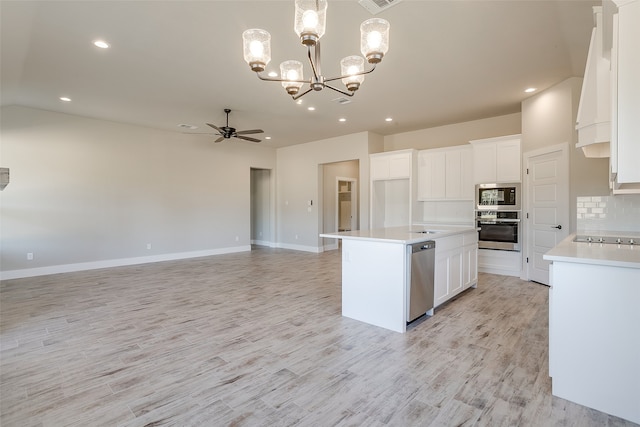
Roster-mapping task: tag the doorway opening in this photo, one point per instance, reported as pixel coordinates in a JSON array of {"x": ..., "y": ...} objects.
[
  {"x": 261, "y": 203},
  {"x": 340, "y": 199}
]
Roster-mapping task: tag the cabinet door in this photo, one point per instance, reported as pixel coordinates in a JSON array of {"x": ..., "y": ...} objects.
[
  {"x": 484, "y": 163},
  {"x": 453, "y": 175},
  {"x": 508, "y": 161},
  {"x": 455, "y": 272},
  {"x": 431, "y": 175},
  {"x": 470, "y": 265},
  {"x": 467, "y": 188},
  {"x": 441, "y": 279},
  {"x": 400, "y": 166},
  {"x": 379, "y": 168},
  {"x": 628, "y": 93}
]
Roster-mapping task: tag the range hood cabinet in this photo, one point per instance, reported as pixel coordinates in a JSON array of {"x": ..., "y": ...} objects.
[{"x": 594, "y": 110}]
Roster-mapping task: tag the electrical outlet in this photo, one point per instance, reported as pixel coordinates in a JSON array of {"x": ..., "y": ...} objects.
[
  {"x": 148, "y": 245},
  {"x": 237, "y": 238},
  {"x": 29, "y": 256},
  {"x": 296, "y": 237}
]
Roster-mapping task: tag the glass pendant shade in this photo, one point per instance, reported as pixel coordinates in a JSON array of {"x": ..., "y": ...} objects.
[
  {"x": 289, "y": 71},
  {"x": 352, "y": 65},
  {"x": 374, "y": 39},
  {"x": 310, "y": 20},
  {"x": 256, "y": 45}
]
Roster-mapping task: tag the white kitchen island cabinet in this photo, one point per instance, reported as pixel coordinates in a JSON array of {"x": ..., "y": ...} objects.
[
  {"x": 594, "y": 340},
  {"x": 375, "y": 270}
]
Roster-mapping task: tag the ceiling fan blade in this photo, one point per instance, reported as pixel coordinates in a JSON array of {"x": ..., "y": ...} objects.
[
  {"x": 246, "y": 138},
  {"x": 215, "y": 127},
  {"x": 247, "y": 132},
  {"x": 219, "y": 139}
]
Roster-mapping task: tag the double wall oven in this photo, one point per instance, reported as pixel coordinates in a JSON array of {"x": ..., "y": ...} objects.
[{"x": 498, "y": 216}]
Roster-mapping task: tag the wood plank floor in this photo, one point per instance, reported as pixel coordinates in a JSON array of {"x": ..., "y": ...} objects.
[{"x": 257, "y": 339}]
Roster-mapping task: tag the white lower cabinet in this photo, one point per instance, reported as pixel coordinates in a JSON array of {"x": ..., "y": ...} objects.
[
  {"x": 456, "y": 266},
  {"x": 470, "y": 261}
]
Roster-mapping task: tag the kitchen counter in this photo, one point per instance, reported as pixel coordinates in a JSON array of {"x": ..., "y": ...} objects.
[
  {"x": 405, "y": 234},
  {"x": 376, "y": 269},
  {"x": 595, "y": 253},
  {"x": 593, "y": 325}
]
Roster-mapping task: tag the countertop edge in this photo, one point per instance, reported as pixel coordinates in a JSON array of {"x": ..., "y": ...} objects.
[
  {"x": 581, "y": 253},
  {"x": 411, "y": 233}
]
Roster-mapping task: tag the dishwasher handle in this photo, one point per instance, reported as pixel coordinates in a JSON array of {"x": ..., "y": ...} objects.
[{"x": 423, "y": 246}]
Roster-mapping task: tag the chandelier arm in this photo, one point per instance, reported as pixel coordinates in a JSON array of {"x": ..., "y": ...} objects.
[
  {"x": 351, "y": 75},
  {"x": 339, "y": 90},
  {"x": 300, "y": 95},
  {"x": 274, "y": 79}
]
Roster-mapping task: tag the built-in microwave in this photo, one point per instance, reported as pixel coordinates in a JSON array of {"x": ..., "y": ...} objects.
[{"x": 502, "y": 197}]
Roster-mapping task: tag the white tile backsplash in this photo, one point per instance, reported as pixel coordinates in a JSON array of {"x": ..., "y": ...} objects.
[{"x": 608, "y": 213}]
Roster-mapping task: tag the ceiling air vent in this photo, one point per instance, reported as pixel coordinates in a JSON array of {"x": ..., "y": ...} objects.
[
  {"x": 377, "y": 6},
  {"x": 342, "y": 100}
]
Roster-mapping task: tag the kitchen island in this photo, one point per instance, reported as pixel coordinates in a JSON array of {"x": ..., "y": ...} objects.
[
  {"x": 375, "y": 269},
  {"x": 594, "y": 340}
]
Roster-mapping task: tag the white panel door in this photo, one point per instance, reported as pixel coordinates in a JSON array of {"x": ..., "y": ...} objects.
[{"x": 547, "y": 216}]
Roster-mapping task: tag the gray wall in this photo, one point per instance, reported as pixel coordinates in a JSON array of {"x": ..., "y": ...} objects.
[
  {"x": 84, "y": 191},
  {"x": 300, "y": 179}
]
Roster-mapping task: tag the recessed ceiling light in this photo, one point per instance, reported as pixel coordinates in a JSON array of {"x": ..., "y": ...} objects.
[
  {"x": 65, "y": 99},
  {"x": 101, "y": 44},
  {"x": 267, "y": 137},
  {"x": 311, "y": 108},
  {"x": 187, "y": 126},
  {"x": 388, "y": 119},
  {"x": 342, "y": 119},
  {"x": 531, "y": 89},
  {"x": 272, "y": 74}
]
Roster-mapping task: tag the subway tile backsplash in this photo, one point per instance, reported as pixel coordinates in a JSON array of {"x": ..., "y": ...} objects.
[{"x": 608, "y": 213}]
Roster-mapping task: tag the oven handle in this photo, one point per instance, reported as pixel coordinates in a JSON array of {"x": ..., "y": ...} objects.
[{"x": 499, "y": 221}]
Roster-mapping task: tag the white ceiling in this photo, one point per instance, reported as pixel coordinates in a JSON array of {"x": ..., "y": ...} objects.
[{"x": 174, "y": 62}]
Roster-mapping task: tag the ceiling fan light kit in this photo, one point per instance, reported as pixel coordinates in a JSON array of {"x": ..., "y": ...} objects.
[{"x": 309, "y": 25}]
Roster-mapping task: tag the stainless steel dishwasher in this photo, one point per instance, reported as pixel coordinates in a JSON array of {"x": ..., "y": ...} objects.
[{"x": 421, "y": 267}]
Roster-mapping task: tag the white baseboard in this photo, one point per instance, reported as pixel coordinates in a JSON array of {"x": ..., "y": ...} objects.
[
  {"x": 331, "y": 246},
  {"x": 313, "y": 249},
  {"x": 93, "y": 265},
  {"x": 263, "y": 243}
]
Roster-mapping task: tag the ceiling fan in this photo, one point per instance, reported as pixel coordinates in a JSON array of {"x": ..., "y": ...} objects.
[{"x": 227, "y": 132}]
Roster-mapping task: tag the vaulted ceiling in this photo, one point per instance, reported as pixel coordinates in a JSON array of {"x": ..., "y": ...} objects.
[{"x": 180, "y": 62}]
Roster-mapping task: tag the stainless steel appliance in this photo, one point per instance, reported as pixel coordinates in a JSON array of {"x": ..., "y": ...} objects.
[
  {"x": 498, "y": 230},
  {"x": 502, "y": 197},
  {"x": 422, "y": 269}
]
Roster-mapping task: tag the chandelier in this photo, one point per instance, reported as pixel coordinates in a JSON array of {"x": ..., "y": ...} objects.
[{"x": 309, "y": 25}]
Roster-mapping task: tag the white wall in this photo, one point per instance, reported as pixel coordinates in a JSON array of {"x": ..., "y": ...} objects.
[
  {"x": 300, "y": 180},
  {"x": 549, "y": 118},
  {"x": 455, "y": 134},
  {"x": 87, "y": 191}
]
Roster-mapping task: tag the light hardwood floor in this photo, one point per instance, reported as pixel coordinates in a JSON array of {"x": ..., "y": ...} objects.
[{"x": 257, "y": 339}]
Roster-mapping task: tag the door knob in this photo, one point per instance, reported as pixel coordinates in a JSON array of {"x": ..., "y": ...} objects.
[{"x": 559, "y": 227}]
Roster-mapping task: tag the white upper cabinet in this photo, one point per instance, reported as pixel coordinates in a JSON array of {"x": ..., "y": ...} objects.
[
  {"x": 593, "y": 121},
  {"x": 625, "y": 71},
  {"x": 391, "y": 165},
  {"x": 445, "y": 174},
  {"x": 496, "y": 159}
]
